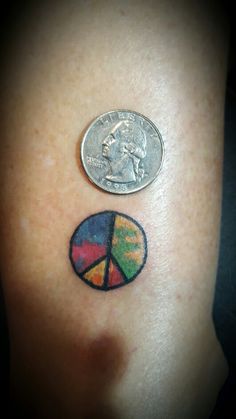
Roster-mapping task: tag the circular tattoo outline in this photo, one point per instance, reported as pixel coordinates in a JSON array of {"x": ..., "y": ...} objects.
[{"x": 109, "y": 256}]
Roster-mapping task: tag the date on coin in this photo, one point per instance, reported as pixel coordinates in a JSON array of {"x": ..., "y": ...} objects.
[{"x": 122, "y": 151}]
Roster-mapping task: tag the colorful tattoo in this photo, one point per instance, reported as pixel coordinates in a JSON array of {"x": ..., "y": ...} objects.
[{"x": 108, "y": 250}]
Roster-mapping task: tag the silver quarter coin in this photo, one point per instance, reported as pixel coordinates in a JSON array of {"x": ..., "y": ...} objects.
[{"x": 122, "y": 151}]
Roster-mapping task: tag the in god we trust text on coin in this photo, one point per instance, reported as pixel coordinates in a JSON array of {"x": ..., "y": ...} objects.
[{"x": 122, "y": 151}]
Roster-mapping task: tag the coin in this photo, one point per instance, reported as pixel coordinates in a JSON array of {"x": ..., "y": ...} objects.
[{"x": 122, "y": 151}]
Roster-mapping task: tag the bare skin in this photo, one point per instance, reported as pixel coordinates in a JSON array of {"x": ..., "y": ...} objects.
[{"x": 148, "y": 349}]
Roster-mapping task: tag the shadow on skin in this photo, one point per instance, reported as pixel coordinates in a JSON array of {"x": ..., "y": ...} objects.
[{"x": 78, "y": 381}]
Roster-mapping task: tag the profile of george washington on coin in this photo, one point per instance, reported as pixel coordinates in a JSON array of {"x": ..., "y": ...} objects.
[{"x": 124, "y": 147}]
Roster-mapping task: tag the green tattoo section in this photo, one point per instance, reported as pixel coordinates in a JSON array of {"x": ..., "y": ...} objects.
[{"x": 127, "y": 246}]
